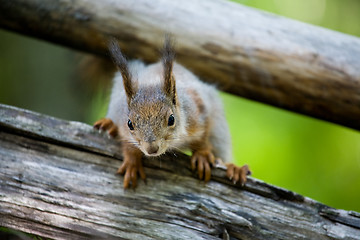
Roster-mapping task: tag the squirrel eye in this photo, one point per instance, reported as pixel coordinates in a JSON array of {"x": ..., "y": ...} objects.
[
  {"x": 130, "y": 125},
  {"x": 171, "y": 120}
]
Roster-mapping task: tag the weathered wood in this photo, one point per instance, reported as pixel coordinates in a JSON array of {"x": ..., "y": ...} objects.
[
  {"x": 250, "y": 53},
  {"x": 57, "y": 180}
]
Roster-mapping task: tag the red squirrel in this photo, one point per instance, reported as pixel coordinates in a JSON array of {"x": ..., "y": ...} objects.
[{"x": 163, "y": 106}]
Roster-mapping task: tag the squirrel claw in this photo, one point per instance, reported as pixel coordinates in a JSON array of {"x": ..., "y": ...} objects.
[
  {"x": 131, "y": 169},
  {"x": 236, "y": 173},
  {"x": 106, "y": 124},
  {"x": 203, "y": 159}
]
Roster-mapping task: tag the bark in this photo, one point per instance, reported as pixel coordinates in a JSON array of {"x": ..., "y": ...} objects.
[
  {"x": 250, "y": 53},
  {"x": 58, "y": 181}
]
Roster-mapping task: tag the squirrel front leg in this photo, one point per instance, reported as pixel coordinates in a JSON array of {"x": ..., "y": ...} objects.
[
  {"x": 132, "y": 165},
  {"x": 106, "y": 124},
  {"x": 236, "y": 173},
  {"x": 201, "y": 159}
]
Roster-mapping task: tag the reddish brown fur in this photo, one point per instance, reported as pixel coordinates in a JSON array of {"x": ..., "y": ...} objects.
[
  {"x": 131, "y": 166},
  {"x": 197, "y": 100},
  {"x": 106, "y": 124},
  {"x": 193, "y": 126}
]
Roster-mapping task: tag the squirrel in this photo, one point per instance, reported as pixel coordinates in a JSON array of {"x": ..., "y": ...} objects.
[{"x": 163, "y": 106}]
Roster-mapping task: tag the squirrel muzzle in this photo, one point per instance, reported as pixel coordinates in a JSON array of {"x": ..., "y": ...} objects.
[{"x": 151, "y": 148}]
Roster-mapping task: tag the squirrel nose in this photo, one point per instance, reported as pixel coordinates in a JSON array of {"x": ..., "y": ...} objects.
[{"x": 152, "y": 149}]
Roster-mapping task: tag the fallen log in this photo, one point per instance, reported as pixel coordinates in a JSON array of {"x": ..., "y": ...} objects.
[
  {"x": 57, "y": 180},
  {"x": 247, "y": 52}
]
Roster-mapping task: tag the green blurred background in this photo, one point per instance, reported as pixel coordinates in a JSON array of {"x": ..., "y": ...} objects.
[{"x": 314, "y": 158}]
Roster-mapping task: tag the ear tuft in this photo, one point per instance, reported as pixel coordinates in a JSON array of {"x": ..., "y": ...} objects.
[
  {"x": 121, "y": 63},
  {"x": 168, "y": 56}
]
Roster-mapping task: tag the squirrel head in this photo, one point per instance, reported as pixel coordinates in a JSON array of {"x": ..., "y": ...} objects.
[{"x": 153, "y": 115}]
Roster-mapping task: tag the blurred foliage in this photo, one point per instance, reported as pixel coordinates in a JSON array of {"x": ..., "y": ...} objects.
[
  {"x": 311, "y": 157},
  {"x": 339, "y": 15},
  {"x": 39, "y": 76}
]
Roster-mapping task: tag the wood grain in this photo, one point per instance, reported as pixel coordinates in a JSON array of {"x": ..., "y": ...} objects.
[
  {"x": 57, "y": 180},
  {"x": 247, "y": 52}
]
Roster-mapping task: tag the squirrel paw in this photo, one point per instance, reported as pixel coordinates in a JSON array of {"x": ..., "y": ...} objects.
[
  {"x": 203, "y": 159},
  {"x": 131, "y": 167},
  {"x": 236, "y": 173},
  {"x": 106, "y": 124}
]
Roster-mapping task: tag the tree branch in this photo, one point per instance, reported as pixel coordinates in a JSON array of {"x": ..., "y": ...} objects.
[
  {"x": 271, "y": 59},
  {"x": 58, "y": 181}
]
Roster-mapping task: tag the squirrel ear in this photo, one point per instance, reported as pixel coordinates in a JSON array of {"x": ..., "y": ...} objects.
[
  {"x": 168, "y": 56},
  {"x": 122, "y": 65}
]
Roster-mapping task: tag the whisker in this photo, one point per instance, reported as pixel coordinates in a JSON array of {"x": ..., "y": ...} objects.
[{"x": 176, "y": 148}]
